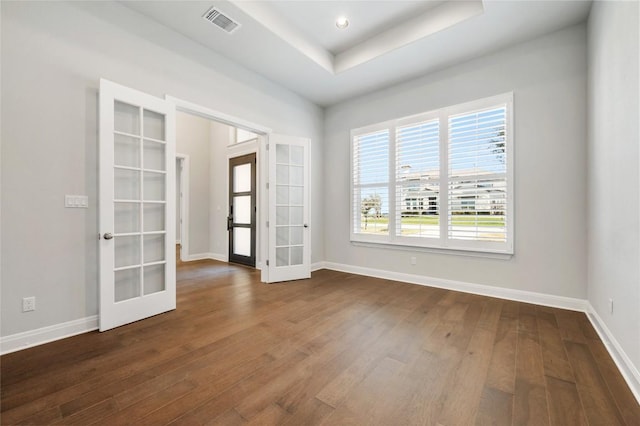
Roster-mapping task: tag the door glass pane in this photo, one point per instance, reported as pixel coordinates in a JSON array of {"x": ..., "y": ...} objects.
[
  {"x": 282, "y": 174},
  {"x": 154, "y": 155},
  {"x": 153, "y": 248},
  {"x": 296, "y": 255},
  {"x": 242, "y": 209},
  {"x": 296, "y": 176},
  {"x": 242, "y": 241},
  {"x": 282, "y": 154},
  {"x": 282, "y": 256},
  {"x": 282, "y": 236},
  {"x": 296, "y": 193},
  {"x": 154, "y": 188},
  {"x": 153, "y": 279},
  {"x": 126, "y": 218},
  {"x": 126, "y": 184},
  {"x": 153, "y": 125},
  {"x": 282, "y": 194},
  {"x": 295, "y": 215},
  {"x": 126, "y": 151},
  {"x": 127, "y": 251},
  {"x": 242, "y": 178},
  {"x": 297, "y": 155},
  {"x": 126, "y": 118},
  {"x": 154, "y": 217},
  {"x": 282, "y": 215},
  {"x": 127, "y": 284},
  {"x": 296, "y": 234}
]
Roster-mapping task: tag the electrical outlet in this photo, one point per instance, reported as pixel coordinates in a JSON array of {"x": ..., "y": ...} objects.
[
  {"x": 610, "y": 306},
  {"x": 413, "y": 260},
  {"x": 28, "y": 304}
]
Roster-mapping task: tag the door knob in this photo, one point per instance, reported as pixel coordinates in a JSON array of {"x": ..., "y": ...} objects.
[
  {"x": 107, "y": 235},
  {"x": 305, "y": 225}
]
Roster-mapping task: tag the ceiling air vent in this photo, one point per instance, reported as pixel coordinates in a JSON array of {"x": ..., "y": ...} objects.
[{"x": 221, "y": 20}]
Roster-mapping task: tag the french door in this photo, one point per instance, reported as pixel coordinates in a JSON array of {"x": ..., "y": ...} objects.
[
  {"x": 289, "y": 233},
  {"x": 241, "y": 222},
  {"x": 137, "y": 205}
]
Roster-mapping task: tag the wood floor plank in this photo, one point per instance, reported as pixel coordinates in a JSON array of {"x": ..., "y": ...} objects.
[
  {"x": 337, "y": 348},
  {"x": 597, "y": 400},
  {"x": 530, "y": 399},
  {"x": 496, "y": 408},
  {"x": 461, "y": 395},
  {"x": 565, "y": 407},
  {"x": 502, "y": 368},
  {"x": 554, "y": 357},
  {"x": 624, "y": 399}
]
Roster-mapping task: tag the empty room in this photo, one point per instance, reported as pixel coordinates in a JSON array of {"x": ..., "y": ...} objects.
[{"x": 320, "y": 212}]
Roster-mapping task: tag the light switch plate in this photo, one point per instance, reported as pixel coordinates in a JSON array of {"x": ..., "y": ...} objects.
[{"x": 76, "y": 201}]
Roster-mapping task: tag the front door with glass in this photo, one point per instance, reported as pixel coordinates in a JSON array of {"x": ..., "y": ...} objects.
[{"x": 241, "y": 222}]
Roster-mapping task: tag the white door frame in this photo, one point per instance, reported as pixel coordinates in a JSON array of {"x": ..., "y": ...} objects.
[
  {"x": 185, "y": 166},
  {"x": 262, "y": 170}
]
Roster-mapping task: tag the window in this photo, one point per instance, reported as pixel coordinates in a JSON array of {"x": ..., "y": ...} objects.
[{"x": 442, "y": 179}]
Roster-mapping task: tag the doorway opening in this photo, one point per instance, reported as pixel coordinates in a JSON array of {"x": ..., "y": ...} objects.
[{"x": 210, "y": 193}]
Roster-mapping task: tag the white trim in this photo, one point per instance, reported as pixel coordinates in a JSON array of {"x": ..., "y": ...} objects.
[
  {"x": 207, "y": 256},
  {"x": 466, "y": 287},
  {"x": 211, "y": 114},
  {"x": 185, "y": 170},
  {"x": 40, "y": 336},
  {"x": 629, "y": 371}
]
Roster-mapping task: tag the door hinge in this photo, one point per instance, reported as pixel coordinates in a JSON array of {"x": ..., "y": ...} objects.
[
  {"x": 267, "y": 185},
  {"x": 267, "y": 262},
  {"x": 267, "y": 147},
  {"x": 267, "y": 224}
]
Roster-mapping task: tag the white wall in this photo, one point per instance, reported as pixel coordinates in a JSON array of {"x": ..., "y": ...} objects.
[
  {"x": 193, "y": 135},
  {"x": 53, "y": 55},
  {"x": 614, "y": 136},
  {"x": 548, "y": 77},
  {"x": 218, "y": 238}
]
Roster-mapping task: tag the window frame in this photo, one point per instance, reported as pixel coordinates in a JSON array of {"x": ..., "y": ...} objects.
[{"x": 443, "y": 242}]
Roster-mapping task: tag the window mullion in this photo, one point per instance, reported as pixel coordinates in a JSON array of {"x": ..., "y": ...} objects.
[
  {"x": 444, "y": 178},
  {"x": 393, "y": 217}
]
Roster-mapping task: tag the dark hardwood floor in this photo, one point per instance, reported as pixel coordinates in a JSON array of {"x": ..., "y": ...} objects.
[{"x": 336, "y": 349}]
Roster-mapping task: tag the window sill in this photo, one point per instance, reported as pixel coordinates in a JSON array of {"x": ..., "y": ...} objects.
[{"x": 435, "y": 250}]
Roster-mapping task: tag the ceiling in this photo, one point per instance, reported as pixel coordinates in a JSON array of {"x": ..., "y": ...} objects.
[{"x": 297, "y": 45}]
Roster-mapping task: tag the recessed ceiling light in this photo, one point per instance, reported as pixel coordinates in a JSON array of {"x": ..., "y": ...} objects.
[{"x": 342, "y": 22}]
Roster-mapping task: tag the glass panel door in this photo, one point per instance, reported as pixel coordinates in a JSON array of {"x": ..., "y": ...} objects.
[
  {"x": 137, "y": 164},
  {"x": 241, "y": 222},
  {"x": 289, "y": 252}
]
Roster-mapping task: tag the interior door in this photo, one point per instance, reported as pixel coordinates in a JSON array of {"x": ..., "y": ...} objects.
[
  {"x": 241, "y": 222},
  {"x": 137, "y": 205},
  {"x": 289, "y": 233}
]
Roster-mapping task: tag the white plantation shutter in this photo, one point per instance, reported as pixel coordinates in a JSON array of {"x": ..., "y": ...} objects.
[
  {"x": 442, "y": 179},
  {"x": 418, "y": 179},
  {"x": 371, "y": 182},
  {"x": 477, "y": 183}
]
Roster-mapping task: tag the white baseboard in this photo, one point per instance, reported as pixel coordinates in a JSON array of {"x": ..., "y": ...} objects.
[
  {"x": 481, "y": 289},
  {"x": 211, "y": 256},
  {"x": 317, "y": 266},
  {"x": 40, "y": 336},
  {"x": 623, "y": 362}
]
